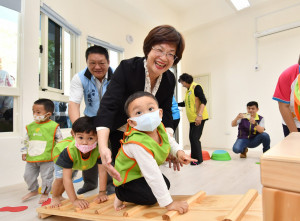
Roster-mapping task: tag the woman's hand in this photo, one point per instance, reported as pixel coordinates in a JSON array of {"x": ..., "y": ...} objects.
[
  {"x": 198, "y": 120},
  {"x": 105, "y": 154}
]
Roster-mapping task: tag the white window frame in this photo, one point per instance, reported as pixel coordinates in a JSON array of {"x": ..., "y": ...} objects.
[
  {"x": 46, "y": 91},
  {"x": 14, "y": 92},
  {"x": 108, "y": 46}
]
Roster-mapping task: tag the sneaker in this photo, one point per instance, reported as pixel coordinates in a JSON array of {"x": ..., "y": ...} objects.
[
  {"x": 85, "y": 189},
  {"x": 244, "y": 154},
  {"x": 195, "y": 163}
]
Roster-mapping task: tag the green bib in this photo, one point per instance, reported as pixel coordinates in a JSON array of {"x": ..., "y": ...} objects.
[
  {"x": 190, "y": 104},
  {"x": 78, "y": 162},
  {"x": 60, "y": 146},
  {"x": 128, "y": 167},
  {"x": 41, "y": 141}
]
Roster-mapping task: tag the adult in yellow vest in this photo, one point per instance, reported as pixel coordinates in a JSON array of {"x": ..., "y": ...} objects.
[{"x": 196, "y": 112}]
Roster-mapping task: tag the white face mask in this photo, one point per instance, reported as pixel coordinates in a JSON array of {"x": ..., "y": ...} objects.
[
  {"x": 147, "y": 122},
  {"x": 39, "y": 118}
]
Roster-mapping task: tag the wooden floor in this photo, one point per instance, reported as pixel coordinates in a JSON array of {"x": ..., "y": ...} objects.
[{"x": 236, "y": 176}]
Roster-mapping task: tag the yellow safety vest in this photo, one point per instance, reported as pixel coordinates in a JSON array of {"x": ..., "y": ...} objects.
[{"x": 192, "y": 104}]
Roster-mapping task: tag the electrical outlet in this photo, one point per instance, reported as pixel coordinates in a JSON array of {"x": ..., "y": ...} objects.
[{"x": 256, "y": 67}]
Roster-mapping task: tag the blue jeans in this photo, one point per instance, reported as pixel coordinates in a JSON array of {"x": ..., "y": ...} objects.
[{"x": 263, "y": 138}]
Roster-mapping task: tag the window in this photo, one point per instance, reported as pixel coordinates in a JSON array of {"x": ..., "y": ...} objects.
[
  {"x": 9, "y": 49},
  {"x": 57, "y": 55},
  {"x": 54, "y": 55},
  {"x": 115, "y": 52},
  {"x": 60, "y": 114}
]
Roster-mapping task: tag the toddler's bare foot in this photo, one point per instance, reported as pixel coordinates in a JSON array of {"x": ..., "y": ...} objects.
[
  {"x": 56, "y": 202},
  {"x": 61, "y": 198},
  {"x": 44, "y": 198},
  {"x": 29, "y": 195},
  {"x": 118, "y": 204}
]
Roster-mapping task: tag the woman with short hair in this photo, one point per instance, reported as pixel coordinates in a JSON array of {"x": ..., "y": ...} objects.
[{"x": 163, "y": 48}]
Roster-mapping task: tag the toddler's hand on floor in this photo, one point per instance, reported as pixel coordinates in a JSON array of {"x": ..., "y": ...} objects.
[
  {"x": 80, "y": 203},
  {"x": 184, "y": 158},
  {"x": 180, "y": 206},
  {"x": 102, "y": 197}
]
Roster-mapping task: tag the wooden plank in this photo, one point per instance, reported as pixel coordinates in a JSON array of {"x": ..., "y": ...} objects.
[
  {"x": 134, "y": 210},
  {"x": 242, "y": 206},
  {"x": 195, "y": 198},
  {"x": 104, "y": 209},
  {"x": 43, "y": 216},
  {"x": 281, "y": 164},
  {"x": 287, "y": 150},
  {"x": 210, "y": 208}
]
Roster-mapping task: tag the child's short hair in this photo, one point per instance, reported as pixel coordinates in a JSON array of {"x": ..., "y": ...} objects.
[
  {"x": 137, "y": 95},
  {"x": 48, "y": 104},
  {"x": 252, "y": 103},
  {"x": 84, "y": 125}
]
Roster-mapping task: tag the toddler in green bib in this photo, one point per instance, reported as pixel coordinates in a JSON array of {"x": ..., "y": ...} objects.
[
  {"x": 39, "y": 141},
  {"x": 145, "y": 146},
  {"x": 79, "y": 152}
]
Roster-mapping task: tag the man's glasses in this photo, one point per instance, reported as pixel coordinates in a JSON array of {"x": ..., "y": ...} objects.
[{"x": 161, "y": 53}]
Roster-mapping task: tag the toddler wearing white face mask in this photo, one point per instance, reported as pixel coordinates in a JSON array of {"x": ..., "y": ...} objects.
[
  {"x": 41, "y": 137},
  {"x": 145, "y": 147}
]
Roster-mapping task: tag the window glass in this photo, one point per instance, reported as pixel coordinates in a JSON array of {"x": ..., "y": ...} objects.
[
  {"x": 60, "y": 114},
  {"x": 8, "y": 47},
  {"x": 114, "y": 59},
  {"x": 54, "y": 55},
  {"x": 6, "y": 113}
]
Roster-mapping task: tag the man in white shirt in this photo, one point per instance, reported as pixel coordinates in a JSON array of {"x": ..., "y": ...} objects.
[{"x": 90, "y": 83}]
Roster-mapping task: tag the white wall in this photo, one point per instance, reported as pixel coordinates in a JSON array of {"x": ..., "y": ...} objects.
[{"x": 226, "y": 49}]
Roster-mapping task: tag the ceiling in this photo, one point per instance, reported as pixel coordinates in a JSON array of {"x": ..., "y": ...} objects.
[{"x": 185, "y": 14}]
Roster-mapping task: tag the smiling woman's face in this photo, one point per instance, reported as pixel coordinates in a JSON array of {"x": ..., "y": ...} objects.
[{"x": 157, "y": 63}]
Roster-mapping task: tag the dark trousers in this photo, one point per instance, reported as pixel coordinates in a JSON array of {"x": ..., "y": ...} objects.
[
  {"x": 90, "y": 177},
  {"x": 286, "y": 130},
  {"x": 175, "y": 124},
  {"x": 114, "y": 137},
  {"x": 195, "y": 135},
  {"x": 138, "y": 191}
]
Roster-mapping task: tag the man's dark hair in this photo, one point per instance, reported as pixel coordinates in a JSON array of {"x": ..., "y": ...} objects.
[
  {"x": 186, "y": 78},
  {"x": 84, "y": 125},
  {"x": 48, "y": 104},
  {"x": 96, "y": 50},
  {"x": 164, "y": 34},
  {"x": 137, "y": 95},
  {"x": 252, "y": 103}
]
